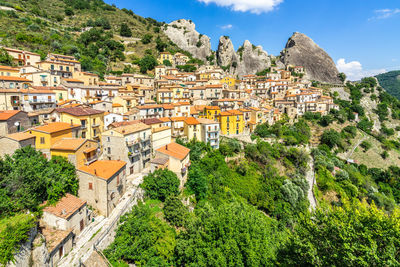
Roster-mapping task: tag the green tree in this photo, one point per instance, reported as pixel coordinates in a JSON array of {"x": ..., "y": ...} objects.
[
  {"x": 142, "y": 239},
  {"x": 28, "y": 179},
  {"x": 125, "y": 30},
  {"x": 167, "y": 63},
  {"x": 146, "y": 39},
  {"x": 69, "y": 11},
  {"x": 352, "y": 235},
  {"x": 175, "y": 212},
  {"x": 232, "y": 234},
  {"x": 161, "y": 184},
  {"x": 148, "y": 62},
  {"x": 5, "y": 58},
  {"x": 342, "y": 76},
  {"x": 331, "y": 138}
]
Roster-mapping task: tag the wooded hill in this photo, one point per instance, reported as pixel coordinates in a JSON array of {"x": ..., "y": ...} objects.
[{"x": 101, "y": 36}]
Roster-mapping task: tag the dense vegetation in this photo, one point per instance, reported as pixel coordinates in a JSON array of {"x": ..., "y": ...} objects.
[
  {"x": 96, "y": 33},
  {"x": 390, "y": 81},
  {"x": 28, "y": 179},
  {"x": 246, "y": 204}
]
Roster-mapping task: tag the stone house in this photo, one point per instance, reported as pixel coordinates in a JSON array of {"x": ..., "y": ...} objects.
[
  {"x": 129, "y": 143},
  {"x": 179, "y": 160},
  {"x": 12, "y": 142},
  {"x": 102, "y": 184},
  {"x": 69, "y": 214},
  {"x": 13, "y": 121}
]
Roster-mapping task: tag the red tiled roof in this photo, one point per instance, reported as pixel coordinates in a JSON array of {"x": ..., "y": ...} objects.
[
  {"x": 174, "y": 150},
  {"x": 104, "y": 169},
  {"x": 6, "y": 114},
  {"x": 79, "y": 111},
  {"x": 66, "y": 206}
]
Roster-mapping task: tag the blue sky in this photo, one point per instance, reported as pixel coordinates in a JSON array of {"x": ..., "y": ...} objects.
[{"x": 362, "y": 36}]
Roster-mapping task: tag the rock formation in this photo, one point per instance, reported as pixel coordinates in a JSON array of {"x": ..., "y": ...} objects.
[
  {"x": 226, "y": 54},
  {"x": 252, "y": 59},
  {"x": 301, "y": 50},
  {"x": 249, "y": 59},
  {"x": 183, "y": 33}
]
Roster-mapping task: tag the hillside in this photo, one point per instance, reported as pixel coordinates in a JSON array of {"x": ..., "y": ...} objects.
[
  {"x": 390, "y": 81},
  {"x": 89, "y": 30}
]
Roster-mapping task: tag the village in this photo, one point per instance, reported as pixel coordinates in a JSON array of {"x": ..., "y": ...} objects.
[{"x": 115, "y": 130}]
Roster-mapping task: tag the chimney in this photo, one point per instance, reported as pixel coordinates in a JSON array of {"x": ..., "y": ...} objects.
[
  {"x": 95, "y": 172},
  {"x": 71, "y": 123}
]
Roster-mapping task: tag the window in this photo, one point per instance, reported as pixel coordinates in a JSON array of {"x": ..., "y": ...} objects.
[
  {"x": 55, "y": 79},
  {"x": 90, "y": 186},
  {"x": 61, "y": 251},
  {"x": 52, "y": 67},
  {"x": 42, "y": 140},
  {"x": 83, "y": 134},
  {"x": 109, "y": 150},
  {"x": 108, "y": 139},
  {"x": 67, "y": 68},
  {"x": 12, "y": 85},
  {"x": 82, "y": 225},
  {"x": 61, "y": 68},
  {"x": 118, "y": 179}
]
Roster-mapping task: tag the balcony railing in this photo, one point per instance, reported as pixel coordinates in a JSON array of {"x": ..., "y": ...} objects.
[{"x": 90, "y": 160}]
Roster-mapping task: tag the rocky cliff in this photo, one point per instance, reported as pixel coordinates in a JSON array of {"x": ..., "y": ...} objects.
[
  {"x": 183, "y": 33},
  {"x": 301, "y": 50},
  {"x": 249, "y": 59}
]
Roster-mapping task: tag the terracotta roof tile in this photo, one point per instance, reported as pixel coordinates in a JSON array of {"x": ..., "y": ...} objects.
[
  {"x": 6, "y": 114},
  {"x": 68, "y": 144},
  {"x": 20, "y": 136},
  {"x": 191, "y": 121},
  {"x": 66, "y": 206},
  {"x": 104, "y": 169},
  {"x": 55, "y": 127},
  {"x": 79, "y": 111},
  {"x": 174, "y": 150},
  {"x": 132, "y": 128},
  {"x": 14, "y": 79}
]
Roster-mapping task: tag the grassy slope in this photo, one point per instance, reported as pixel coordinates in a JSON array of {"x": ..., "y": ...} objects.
[
  {"x": 390, "y": 81},
  {"x": 10, "y": 26}
]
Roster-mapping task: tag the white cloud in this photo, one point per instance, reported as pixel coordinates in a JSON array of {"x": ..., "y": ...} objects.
[
  {"x": 253, "y": 6},
  {"x": 385, "y": 13},
  {"x": 354, "y": 70},
  {"x": 227, "y": 27}
]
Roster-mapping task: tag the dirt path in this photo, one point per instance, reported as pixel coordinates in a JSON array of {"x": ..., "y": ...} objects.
[{"x": 310, "y": 177}]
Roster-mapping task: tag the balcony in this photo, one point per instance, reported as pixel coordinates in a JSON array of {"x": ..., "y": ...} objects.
[
  {"x": 95, "y": 125},
  {"x": 90, "y": 160},
  {"x": 41, "y": 101}
]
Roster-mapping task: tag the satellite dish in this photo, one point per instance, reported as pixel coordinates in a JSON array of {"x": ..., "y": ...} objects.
[{"x": 16, "y": 123}]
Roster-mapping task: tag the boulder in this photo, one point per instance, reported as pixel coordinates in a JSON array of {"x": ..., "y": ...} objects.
[
  {"x": 301, "y": 50},
  {"x": 183, "y": 33}
]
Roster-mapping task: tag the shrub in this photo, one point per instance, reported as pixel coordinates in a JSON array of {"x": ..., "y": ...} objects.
[
  {"x": 175, "y": 212},
  {"x": 161, "y": 184},
  {"x": 331, "y": 138},
  {"x": 14, "y": 231},
  {"x": 146, "y": 39},
  {"x": 125, "y": 30},
  {"x": 69, "y": 11},
  {"x": 365, "y": 145}
]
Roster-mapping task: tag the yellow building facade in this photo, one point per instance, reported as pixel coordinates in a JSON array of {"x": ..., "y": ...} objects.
[
  {"x": 231, "y": 122},
  {"x": 228, "y": 81},
  {"x": 78, "y": 151},
  {"x": 91, "y": 120},
  {"x": 49, "y": 134}
]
